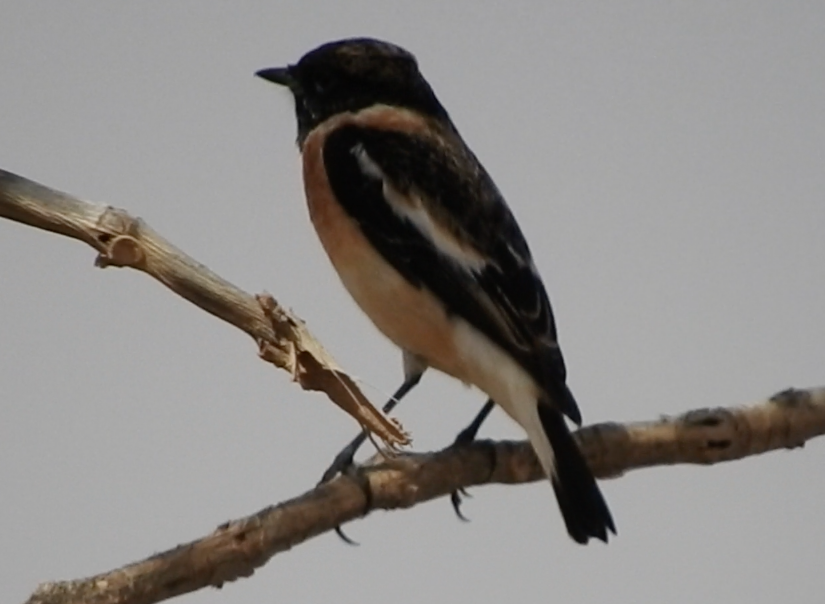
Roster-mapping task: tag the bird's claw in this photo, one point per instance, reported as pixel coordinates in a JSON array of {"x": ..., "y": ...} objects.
[
  {"x": 344, "y": 537},
  {"x": 343, "y": 464},
  {"x": 456, "y": 500},
  {"x": 465, "y": 437}
]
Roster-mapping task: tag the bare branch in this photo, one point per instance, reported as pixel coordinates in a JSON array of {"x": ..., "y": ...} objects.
[
  {"x": 236, "y": 549},
  {"x": 122, "y": 240}
]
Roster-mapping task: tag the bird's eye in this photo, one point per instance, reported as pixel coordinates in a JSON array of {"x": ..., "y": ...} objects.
[
  {"x": 321, "y": 87},
  {"x": 324, "y": 84}
]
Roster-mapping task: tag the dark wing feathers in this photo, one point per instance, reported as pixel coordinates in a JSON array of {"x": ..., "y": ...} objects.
[{"x": 502, "y": 297}]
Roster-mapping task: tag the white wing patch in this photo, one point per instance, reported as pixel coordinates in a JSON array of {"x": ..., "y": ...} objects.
[
  {"x": 365, "y": 162},
  {"x": 412, "y": 209}
]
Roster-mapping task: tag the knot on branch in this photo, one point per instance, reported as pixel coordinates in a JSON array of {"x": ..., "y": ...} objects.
[
  {"x": 122, "y": 250},
  {"x": 117, "y": 240},
  {"x": 711, "y": 431},
  {"x": 792, "y": 398}
]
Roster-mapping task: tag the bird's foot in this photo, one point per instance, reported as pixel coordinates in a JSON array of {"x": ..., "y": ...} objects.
[
  {"x": 466, "y": 437},
  {"x": 359, "y": 477},
  {"x": 344, "y": 465}
]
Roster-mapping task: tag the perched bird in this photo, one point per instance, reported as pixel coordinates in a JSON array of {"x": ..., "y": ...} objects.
[{"x": 424, "y": 242}]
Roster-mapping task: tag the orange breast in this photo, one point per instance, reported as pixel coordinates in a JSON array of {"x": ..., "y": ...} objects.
[{"x": 411, "y": 317}]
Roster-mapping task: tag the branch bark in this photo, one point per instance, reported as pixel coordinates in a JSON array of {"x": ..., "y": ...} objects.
[
  {"x": 123, "y": 240},
  {"x": 237, "y": 548}
]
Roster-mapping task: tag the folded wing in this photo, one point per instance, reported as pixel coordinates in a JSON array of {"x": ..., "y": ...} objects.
[{"x": 434, "y": 213}]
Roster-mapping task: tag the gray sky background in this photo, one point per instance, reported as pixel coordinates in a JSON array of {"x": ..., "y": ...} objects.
[{"x": 665, "y": 161}]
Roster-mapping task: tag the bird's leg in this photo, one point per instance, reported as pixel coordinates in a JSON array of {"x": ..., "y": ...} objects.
[
  {"x": 468, "y": 434},
  {"x": 414, "y": 368},
  {"x": 465, "y": 437},
  {"x": 343, "y": 464},
  {"x": 343, "y": 460}
]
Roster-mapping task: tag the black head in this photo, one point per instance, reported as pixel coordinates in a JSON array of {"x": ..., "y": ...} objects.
[{"x": 350, "y": 75}]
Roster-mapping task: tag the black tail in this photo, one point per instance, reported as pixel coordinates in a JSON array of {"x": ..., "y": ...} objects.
[{"x": 582, "y": 504}]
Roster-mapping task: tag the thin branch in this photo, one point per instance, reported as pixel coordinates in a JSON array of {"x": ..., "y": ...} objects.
[
  {"x": 122, "y": 240},
  {"x": 236, "y": 549}
]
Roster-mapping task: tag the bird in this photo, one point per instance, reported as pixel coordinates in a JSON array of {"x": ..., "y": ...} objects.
[{"x": 424, "y": 242}]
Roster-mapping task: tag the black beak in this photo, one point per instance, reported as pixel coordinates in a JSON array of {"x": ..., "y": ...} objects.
[{"x": 278, "y": 75}]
